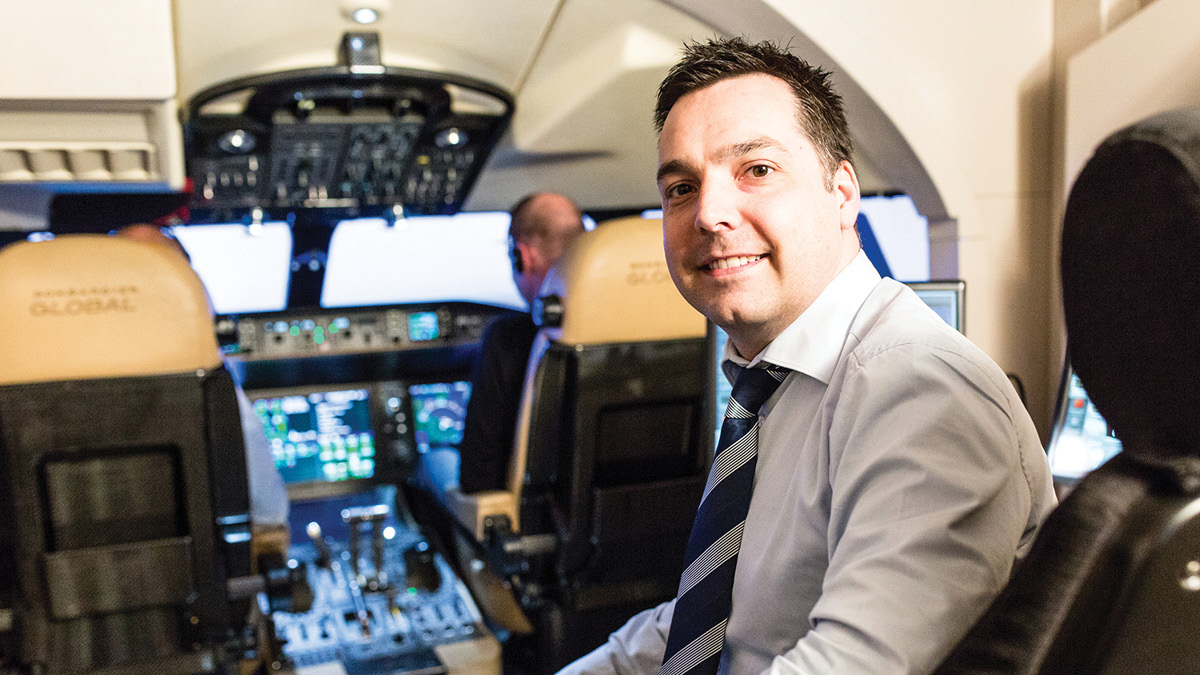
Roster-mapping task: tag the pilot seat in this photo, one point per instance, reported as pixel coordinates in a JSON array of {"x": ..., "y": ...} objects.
[
  {"x": 611, "y": 451},
  {"x": 125, "y": 534},
  {"x": 1112, "y": 583}
]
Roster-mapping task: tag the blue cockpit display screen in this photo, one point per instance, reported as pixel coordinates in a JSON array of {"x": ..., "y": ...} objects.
[
  {"x": 423, "y": 326},
  {"x": 439, "y": 413},
  {"x": 1081, "y": 440}
]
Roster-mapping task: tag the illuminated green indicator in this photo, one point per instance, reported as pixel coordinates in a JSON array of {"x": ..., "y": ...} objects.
[
  {"x": 412, "y": 591},
  {"x": 332, "y": 328},
  {"x": 318, "y": 335},
  {"x": 295, "y": 330}
]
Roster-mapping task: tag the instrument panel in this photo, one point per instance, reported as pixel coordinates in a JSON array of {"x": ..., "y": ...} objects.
[
  {"x": 336, "y": 439},
  {"x": 292, "y": 334}
]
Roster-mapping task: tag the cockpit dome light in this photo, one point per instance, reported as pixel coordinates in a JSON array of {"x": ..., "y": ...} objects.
[
  {"x": 365, "y": 12},
  {"x": 365, "y": 15}
]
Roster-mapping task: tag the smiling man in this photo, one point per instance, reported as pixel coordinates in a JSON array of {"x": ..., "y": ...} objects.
[{"x": 876, "y": 475}]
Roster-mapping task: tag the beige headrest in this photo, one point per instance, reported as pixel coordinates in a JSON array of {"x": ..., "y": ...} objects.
[
  {"x": 92, "y": 306},
  {"x": 616, "y": 288}
]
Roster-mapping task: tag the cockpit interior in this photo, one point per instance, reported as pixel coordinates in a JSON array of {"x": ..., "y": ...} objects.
[{"x": 334, "y": 180}]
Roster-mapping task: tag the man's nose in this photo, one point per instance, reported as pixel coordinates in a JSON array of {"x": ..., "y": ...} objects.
[{"x": 717, "y": 206}]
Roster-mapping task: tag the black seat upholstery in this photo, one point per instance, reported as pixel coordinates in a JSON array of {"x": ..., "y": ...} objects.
[
  {"x": 612, "y": 446},
  {"x": 1112, "y": 584},
  {"x": 122, "y": 472}
]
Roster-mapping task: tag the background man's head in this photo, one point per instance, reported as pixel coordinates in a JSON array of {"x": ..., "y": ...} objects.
[
  {"x": 152, "y": 234},
  {"x": 818, "y": 107},
  {"x": 157, "y": 236},
  {"x": 543, "y": 224},
  {"x": 759, "y": 196}
]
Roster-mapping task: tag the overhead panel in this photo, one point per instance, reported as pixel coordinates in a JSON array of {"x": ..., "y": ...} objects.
[
  {"x": 300, "y": 106},
  {"x": 355, "y": 139}
]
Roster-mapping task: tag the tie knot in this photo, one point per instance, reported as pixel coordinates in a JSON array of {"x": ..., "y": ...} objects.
[{"x": 752, "y": 389}]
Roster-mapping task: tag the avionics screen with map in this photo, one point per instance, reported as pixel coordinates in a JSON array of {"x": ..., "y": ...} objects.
[
  {"x": 319, "y": 436},
  {"x": 439, "y": 411}
]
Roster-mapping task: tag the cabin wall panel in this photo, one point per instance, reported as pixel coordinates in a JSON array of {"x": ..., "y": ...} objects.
[
  {"x": 1077, "y": 24},
  {"x": 1146, "y": 65},
  {"x": 1012, "y": 309},
  {"x": 111, "y": 50}
]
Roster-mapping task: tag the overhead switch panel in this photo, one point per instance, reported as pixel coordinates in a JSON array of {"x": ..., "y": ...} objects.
[{"x": 358, "y": 139}]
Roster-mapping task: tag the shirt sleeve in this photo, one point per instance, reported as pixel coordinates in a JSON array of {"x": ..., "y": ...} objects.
[
  {"x": 929, "y": 499},
  {"x": 268, "y": 496},
  {"x": 634, "y": 649}
]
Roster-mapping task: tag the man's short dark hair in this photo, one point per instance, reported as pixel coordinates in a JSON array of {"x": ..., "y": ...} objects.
[{"x": 819, "y": 107}]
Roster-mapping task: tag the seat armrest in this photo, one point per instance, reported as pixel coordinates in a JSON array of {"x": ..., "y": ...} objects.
[
  {"x": 268, "y": 539},
  {"x": 473, "y": 510}
]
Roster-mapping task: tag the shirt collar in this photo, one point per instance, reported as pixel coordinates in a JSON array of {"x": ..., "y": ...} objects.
[{"x": 812, "y": 343}]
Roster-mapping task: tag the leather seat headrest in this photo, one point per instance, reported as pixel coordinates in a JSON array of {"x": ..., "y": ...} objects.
[
  {"x": 93, "y": 306},
  {"x": 615, "y": 287},
  {"x": 1131, "y": 282}
]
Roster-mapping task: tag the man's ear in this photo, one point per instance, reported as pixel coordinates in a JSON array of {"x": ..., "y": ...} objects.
[
  {"x": 528, "y": 256},
  {"x": 515, "y": 256},
  {"x": 846, "y": 192}
]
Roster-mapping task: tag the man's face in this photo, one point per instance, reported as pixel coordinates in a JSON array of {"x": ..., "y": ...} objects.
[
  {"x": 553, "y": 213},
  {"x": 752, "y": 234}
]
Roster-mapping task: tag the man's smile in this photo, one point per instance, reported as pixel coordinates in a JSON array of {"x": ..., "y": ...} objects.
[{"x": 732, "y": 262}]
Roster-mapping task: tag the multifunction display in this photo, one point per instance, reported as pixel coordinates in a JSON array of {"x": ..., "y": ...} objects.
[{"x": 320, "y": 436}]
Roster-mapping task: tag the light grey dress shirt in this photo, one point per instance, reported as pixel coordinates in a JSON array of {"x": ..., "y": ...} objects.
[{"x": 898, "y": 478}]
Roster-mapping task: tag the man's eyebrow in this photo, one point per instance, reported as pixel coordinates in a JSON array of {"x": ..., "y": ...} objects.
[
  {"x": 746, "y": 147},
  {"x": 673, "y": 166}
]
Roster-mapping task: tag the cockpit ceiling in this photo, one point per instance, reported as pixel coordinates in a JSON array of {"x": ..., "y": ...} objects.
[{"x": 583, "y": 73}]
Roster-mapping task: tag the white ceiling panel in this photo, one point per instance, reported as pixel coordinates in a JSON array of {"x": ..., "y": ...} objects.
[
  {"x": 220, "y": 40},
  {"x": 584, "y": 117}
]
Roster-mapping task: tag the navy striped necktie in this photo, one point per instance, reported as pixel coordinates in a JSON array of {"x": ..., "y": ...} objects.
[{"x": 706, "y": 589}]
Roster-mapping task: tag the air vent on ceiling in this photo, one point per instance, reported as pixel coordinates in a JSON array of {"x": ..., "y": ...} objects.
[{"x": 32, "y": 161}]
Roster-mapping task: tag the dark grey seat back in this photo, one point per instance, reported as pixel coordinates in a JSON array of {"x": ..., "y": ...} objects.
[{"x": 1112, "y": 584}]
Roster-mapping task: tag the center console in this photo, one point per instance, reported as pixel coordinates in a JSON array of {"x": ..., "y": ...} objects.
[{"x": 383, "y": 600}]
